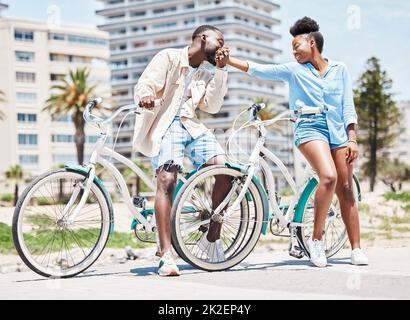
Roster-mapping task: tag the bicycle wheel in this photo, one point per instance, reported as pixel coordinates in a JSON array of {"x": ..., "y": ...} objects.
[
  {"x": 239, "y": 233},
  {"x": 335, "y": 233},
  {"x": 43, "y": 236}
]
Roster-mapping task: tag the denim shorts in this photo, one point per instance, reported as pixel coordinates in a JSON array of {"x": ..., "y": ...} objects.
[
  {"x": 314, "y": 127},
  {"x": 177, "y": 144}
]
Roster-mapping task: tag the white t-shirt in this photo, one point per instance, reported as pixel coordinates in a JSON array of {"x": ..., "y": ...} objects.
[{"x": 187, "y": 92}]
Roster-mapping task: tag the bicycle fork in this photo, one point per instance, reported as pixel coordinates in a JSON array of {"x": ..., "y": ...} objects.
[
  {"x": 294, "y": 248},
  {"x": 85, "y": 186}
]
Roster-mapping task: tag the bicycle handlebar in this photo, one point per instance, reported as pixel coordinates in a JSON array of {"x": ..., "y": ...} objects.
[
  {"x": 308, "y": 110},
  {"x": 93, "y": 119},
  {"x": 305, "y": 110},
  {"x": 254, "y": 109}
]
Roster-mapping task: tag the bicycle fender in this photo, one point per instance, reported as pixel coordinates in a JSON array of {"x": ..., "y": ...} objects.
[
  {"x": 304, "y": 197},
  {"x": 181, "y": 183},
  {"x": 306, "y": 193}
]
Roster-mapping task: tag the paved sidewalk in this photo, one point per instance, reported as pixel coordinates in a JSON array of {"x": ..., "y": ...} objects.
[{"x": 260, "y": 276}]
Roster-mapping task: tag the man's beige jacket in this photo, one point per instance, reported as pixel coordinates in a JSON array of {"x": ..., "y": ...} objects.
[{"x": 164, "y": 78}]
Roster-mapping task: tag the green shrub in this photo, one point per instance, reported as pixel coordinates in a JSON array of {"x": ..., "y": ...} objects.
[
  {"x": 6, "y": 239},
  {"x": 7, "y": 197},
  {"x": 402, "y": 196}
]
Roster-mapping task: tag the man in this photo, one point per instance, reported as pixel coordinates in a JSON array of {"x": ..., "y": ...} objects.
[{"x": 183, "y": 80}]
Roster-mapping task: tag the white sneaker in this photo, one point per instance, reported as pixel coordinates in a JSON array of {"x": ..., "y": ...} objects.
[
  {"x": 214, "y": 250},
  {"x": 358, "y": 258},
  {"x": 317, "y": 253},
  {"x": 167, "y": 266}
]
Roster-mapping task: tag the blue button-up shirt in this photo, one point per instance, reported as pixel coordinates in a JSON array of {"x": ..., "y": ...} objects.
[{"x": 332, "y": 91}]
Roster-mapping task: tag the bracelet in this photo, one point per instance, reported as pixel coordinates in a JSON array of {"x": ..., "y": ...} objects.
[{"x": 354, "y": 141}]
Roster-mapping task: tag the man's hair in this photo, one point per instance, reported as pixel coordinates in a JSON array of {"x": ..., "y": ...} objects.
[
  {"x": 309, "y": 27},
  {"x": 202, "y": 29}
]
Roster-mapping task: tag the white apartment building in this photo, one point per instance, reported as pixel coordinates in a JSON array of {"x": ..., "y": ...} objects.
[
  {"x": 3, "y": 7},
  {"x": 140, "y": 28},
  {"x": 33, "y": 57}
]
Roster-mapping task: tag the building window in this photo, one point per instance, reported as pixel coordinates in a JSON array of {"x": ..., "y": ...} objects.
[
  {"x": 68, "y": 138},
  {"x": 57, "y": 36},
  {"x": 117, "y": 16},
  {"x": 62, "y": 138},
  {"x": 164, "y": 10},
  {"x": 119, "y": 64},
  {"x": 28, "y": 159},
  {"x": 189, "y": 6},
  {"x": 123, "y": 47},
  {"x": 189, "y": 21},
  {"x": 26, "y": 97},
  {"x": 138, "y": 29},
  {"x": 65, "y": 119},
  {"x": 24, "y": 56},
  {"x": 91, "y": 139},
  {"x": 165, "y": 25},
  {"x": 165, "y": 41},
  {"x": 139, "y": 44},
  {"x": 121, "y": 77},
  {"x": 140, "y": 60},
  {"x": 26, "y": 77},
  {"x": 57, "y": 77},
  {"x": 26, "y": 118},
  {"x": 216, "y": 18},
  {"x": 58, "y": 57},
  {"x": 28, "y": 139},
  {"x": 86, "y": 40},
  {"x": 119, "y": 31},
  {"x": 112, "y": 2},
  {"x": 137, "y": 14},
  {"x": 24, "y": 35},
  {"x": 121, "y": 93}
]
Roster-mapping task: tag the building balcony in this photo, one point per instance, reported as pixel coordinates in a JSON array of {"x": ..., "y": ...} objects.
[{"x": 119, "y": 9}]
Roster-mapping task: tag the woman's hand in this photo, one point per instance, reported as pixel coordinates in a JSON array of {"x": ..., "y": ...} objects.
[
  {"x": 222, "y": 56},
  {"x": 352, "y": 151}
]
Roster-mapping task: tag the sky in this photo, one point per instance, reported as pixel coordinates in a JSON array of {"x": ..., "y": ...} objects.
[{"x": 354, "y": 30}]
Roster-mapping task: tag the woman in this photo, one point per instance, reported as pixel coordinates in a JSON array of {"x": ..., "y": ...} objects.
[{"x": 328, "y": 140}]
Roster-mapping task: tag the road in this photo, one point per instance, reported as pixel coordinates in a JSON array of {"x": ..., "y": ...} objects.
[{"x": 263, "y": 275}]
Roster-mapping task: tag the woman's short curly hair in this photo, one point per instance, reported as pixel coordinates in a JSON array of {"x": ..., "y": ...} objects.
[{"x": 309, "y": 27}]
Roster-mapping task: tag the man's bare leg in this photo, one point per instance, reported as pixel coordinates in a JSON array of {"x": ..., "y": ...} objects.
[
  {"x": 219, "y": 193},
  {"x": 166, "y": 181}
]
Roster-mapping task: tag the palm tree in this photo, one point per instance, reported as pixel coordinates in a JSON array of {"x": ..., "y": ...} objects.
[
  {"x": 2, "y": 99},
  {"x": 71, "y": 97},
  {"x": 16, "y": 175}
]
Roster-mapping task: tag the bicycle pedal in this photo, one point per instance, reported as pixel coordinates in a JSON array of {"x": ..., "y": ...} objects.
[
  {"x": 296, "y": 252},
  {"x": 139, "y": 202}
]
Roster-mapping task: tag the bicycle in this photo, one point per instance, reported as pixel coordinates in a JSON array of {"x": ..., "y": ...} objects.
[
  {"x": 64, "y": 218},
  {"x": 250, "y": 208}
]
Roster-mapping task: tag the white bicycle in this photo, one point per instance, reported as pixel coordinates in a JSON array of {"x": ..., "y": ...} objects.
[
  {"x": 63, "y": 219},
  {"x": 251, "y": 207}
]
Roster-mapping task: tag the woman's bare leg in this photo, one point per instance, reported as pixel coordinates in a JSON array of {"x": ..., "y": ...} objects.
[
  {"x": 344, "y": 191},
  {"x": 318, "y": 154}
]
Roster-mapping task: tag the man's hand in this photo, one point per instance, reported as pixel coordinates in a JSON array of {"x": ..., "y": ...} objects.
[
  {"x": 147, "y": 102},
  {"x": 222, "y": 56}
]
